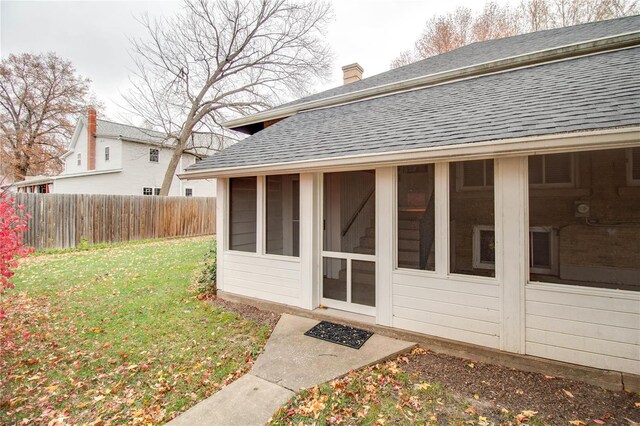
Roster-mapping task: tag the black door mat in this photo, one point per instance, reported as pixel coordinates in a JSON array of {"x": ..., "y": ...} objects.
[{"x": 340, "y": 334}]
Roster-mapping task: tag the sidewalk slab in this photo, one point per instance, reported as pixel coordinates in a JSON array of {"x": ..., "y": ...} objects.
[
  {"x": 296, "y": 361},
  {"x": 249, "y": 401},
  {"x": 290, "y": 361}
]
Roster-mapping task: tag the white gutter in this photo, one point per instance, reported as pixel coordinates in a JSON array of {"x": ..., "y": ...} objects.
[
  {"x": 546, "y": 55},
  {"x": 90, "y": 173},
  {"x": 533, "y": 145}
]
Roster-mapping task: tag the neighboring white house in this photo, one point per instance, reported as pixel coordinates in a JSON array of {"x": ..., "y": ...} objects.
[
  {"x": 111, "y": 158},
  {"x": 489, "y": 195}
]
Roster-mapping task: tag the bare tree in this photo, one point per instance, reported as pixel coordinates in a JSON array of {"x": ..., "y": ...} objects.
[
  {"x": 493, "y": 22},
  {"x": 219, "y": 59},
  {"x": 40, "y": 96},
  {"x": 446, "y": 32},
  {"x": 405, "y": 58}
]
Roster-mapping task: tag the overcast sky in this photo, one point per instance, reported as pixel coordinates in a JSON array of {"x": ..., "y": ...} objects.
[{"x": 93, "y": 35}]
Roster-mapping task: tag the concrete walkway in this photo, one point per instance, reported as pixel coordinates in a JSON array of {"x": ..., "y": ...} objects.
[{"x": 291, "y": 361}]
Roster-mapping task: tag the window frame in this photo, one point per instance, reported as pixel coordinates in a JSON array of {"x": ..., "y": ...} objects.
[
  {"x": 146, "y": 189},
  {"x": 107, "y": 153},
  {"x": 259, "y": 213},
  {"x": 79, "y": 159},
  {"x": 629, "y": 159},
  {"x": 572, "y": 172},
  {"x": 553, "y": 249},
  {"x": 553, "y": 255},
  {"x": 157, "y": 156},
  {"x": 477, "y": 263},
  {"x": 460, "y": 187},
  {"x": 188, "y": 192}
]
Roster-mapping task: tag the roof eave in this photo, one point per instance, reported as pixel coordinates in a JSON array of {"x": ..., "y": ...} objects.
[
  {"x": 530, "y": 145},
  {"x": 562, "y": 52}
]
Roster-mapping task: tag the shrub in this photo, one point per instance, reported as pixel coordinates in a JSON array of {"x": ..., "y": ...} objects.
[
  {"x": 12, "y": 227},
  {"x": 206, "y": 278}
]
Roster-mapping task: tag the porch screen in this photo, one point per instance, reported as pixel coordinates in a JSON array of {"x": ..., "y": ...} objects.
[
  {"x": 242, "y": 213},
  {"x": 283, "y": 215},
  {"x": 416, "y": 217},
  {"x": 471, "y": 216},
  {"x": 589, "y": 234}
]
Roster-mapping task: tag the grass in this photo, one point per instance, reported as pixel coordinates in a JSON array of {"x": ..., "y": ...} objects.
[
  {"x": 384, "y": 394},
  {"x": 116, "y": 336}
]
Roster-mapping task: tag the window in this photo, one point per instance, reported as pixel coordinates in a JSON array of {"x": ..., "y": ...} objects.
[
  {"x": 484, "y": 247},
  {"x": 242, "y": 213},
  {"x": 150, "y": 191},
  {"x": 472, "y": 248},
  {"x": 154, "y": 155},
  {"x": 106, "y": 153},
  {"x": 416, "y": 217},
  {"x": 542, "y": 248},
  {"x": 188, "y": 192},
  {"x": 283, "y": 215},
  {"x": 592, "y": 241},
  {"x": 79, "y": 159},
  {"x": 633, "y": 166},
  {"x": 474, "y": 175},
  {"x": 551, "y": 170}
]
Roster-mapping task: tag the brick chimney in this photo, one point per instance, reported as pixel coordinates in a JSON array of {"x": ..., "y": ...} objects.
[
  {"x": 352, "y": 72},
  {"x": 91, "y": 138}
]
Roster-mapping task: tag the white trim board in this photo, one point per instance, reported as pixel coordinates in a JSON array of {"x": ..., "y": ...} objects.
[{"x": 532, "y": 145}]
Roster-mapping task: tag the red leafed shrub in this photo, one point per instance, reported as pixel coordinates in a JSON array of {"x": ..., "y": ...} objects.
[{"x": 12, "y": 226}]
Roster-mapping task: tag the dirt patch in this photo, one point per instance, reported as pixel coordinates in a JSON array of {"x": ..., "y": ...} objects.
[
  {"x": 492, "y": 388},
  {"x": 270, "y": 319}
]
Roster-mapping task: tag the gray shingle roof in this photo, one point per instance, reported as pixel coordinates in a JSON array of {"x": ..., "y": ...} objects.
[
  {"x": 124, "y": 131},
  {"x": 139, "y": 134},
  {"x": 593, "y": 92},
  {"x": 487, "y": 51}
]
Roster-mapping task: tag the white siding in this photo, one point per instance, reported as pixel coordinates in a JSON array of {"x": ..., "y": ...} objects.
[
  {"x": 136, "y": 172},
  {"x": 71, "y": 161},
  {"x": 452, "y": 308},
  {"x": 595, "y": 327},
  {"x": 263, "y": 277}
]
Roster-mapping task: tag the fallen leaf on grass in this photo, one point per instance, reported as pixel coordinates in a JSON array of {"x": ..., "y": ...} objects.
[
  {"x": 577, "y": 423},
  {"x": 598, "y": 421},
  {"x": 569, "y": 394}
]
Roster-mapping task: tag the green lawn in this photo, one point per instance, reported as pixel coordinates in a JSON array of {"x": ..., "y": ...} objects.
[{"x": 115, "y": 335}]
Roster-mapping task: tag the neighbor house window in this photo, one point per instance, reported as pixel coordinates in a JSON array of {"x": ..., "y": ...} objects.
[
  {"x": 188, "y": 192},
  {"x": 283, "y": 215},
  {"x": 416, "y": 217},
  {"x": 471, "y": 218},
  {"x": 79, "y": 159},
  {"x": 551, "y": 170},
  {"x": 591, "y": 241},
  {"x": 633, "y": 166},
  {"x": 150, "y": 191},
  {"x": 242, "y": 213},
  {"x": 477, "y": 174},
  {"x": 154, "y": 155},
  {"x": 106, "y": 153}
]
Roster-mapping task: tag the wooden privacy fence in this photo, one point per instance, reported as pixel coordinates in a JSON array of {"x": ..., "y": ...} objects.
[{"x": 64, "y": 220}]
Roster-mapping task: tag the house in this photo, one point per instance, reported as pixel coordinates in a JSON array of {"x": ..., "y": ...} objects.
[
  {"x": 111, "y": 158},
  {"x": 488, "y": 195}
]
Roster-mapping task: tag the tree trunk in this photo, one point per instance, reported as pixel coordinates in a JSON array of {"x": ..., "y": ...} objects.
[{"x": 171, "y": 170}]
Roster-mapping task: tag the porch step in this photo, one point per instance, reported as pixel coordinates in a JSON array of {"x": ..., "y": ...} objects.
[
  {"x": 364, "y": 250},
  {"x": 408, "y": 224}
]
